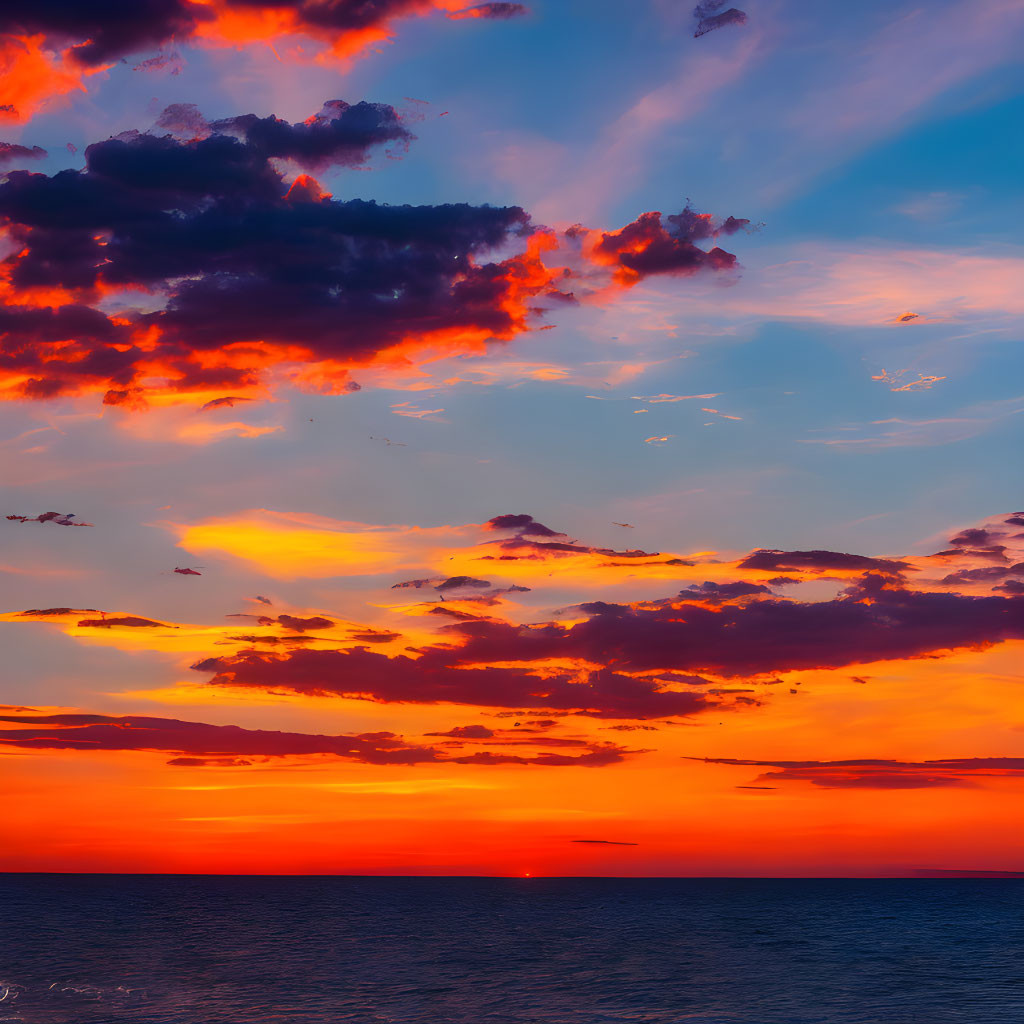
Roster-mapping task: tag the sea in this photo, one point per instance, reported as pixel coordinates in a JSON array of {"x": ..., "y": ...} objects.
[{"x": 156, "y": 949}]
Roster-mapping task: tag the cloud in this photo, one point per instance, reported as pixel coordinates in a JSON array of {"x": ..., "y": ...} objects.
[
  {"x": 883, "y": 774},
  {"x": 773, "y": 561},
  {"x": 136, "y": 732},
  {"x": 297, "y": 623},
  {"x": 640, "y": 659},
  {"x": 340, "y": 135},
  {"x": 11, "y": 152},
  {"x": 655, "y": 245},
  {"x": 223, "y": 403},
  {"x": 634, "y": 660},
  {"x": 603, "y": 842},
  {"x": 169, "y": 62},
  {"x": 924, "y": 382},
  {"x": 708, "y": 20},
  {"x": 115, "y": 621},
  {"x": 531, "y": 540},
  {"x": 56, "y": 518},
  {"x": 656, "y": 399},
  {"x": 467, "y": 732},
  {"x": 445, "y": 585},
  {"x": 190, "y": 224},
  {"x": 491, "y": 11},
  {"x": 49, "y": 49},
  {"x": 716, "y": 593},
  {"x": 445, "y": 675},
  {"x": 986, "y": 574},
  {"x": 599, "y": 757},
  {"x": 186, "y": 264},
  {"x": 200, "y": 745},
  {"x": 873, "y": 620}
]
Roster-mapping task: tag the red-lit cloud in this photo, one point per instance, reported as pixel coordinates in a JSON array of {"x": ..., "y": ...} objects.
[
  {"x": 198, "y": 745},
  {"x": 49, "y": 48},
  {"x": 223, "y": 273},
  {"x": 492, "y": 11},
  {"x": 882, "y": 774},
  {"x": 443, "y": 675},
  {"x": 12, "y": 153}
]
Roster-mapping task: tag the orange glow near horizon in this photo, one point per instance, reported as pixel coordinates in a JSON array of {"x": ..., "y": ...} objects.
[{"x": 488, "y": 787}]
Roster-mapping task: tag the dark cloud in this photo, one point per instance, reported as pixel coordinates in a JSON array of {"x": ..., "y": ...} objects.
[
  {"x": 341, "y": 134},
  {"x": 445, "y": 584},
  {"x": 491, "y": 11},
  {"x": 1014, "y": 587},
  {"x": 273, "y": 641},
  {"x": 466, "y": 732},
  {"x": 12, "y": 153},
  {"x": 209, "y": 229},
  {"x": 645, "y": 660},
  {"x": 461, "y": 583},
  {"x": 437, "y": 676},
  {"x": 374, "y": 636},
  {"x": 601, "y": 756},
  {"x": 223, "y": 403},
  {"x": 208, "y": 762},
  {"x": 524, "y": 543},
  {"x": 523, "y": 525},
  {"x": 988, "y": 574},
  {"x": 875, "y": 619},
  {"x": 603, "y": 842},
  {"x": 415, "y": 584},
  {"x": 201, "y": 745},
  {"x": 122, "y": 620},
  {"x": 883, "y": 774},
  {"x": 772, "y": 560},
  {"x": 56, "y": 518},
  {"x": 103, "y": 30},
  {"x": 137, "y": 732},
  {"x": 708, "y": 20},
  {"x": 655, "y": 245},
  {"x": 972, "y": 538},
  {"x": 184, "y": 121},
  {"x": 222, "y": 268},
  {"x": 719, "y": 592},
  {"x": 297, "y": 623},
  {"x": 170, "y": 62},
  {"x": 872, "y": 621}
]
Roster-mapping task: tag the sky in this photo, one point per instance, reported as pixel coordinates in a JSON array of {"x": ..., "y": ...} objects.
[{"x": 551, "y": 439}]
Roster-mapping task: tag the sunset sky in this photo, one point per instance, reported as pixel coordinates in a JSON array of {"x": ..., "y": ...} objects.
[{"x": 592, "y": 431}]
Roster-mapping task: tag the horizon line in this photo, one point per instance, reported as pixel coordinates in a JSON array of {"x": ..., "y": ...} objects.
[{"x": 918, "y": 874}]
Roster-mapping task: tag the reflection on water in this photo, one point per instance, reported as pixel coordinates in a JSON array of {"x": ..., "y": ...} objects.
[{"x": 205, "y": 950}]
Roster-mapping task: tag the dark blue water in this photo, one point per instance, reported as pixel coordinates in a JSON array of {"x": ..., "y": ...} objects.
[{"x": 215, "y": 950}]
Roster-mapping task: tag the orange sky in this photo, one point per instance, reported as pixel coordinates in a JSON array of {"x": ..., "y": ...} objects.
[{"x": 655, "y": 807}]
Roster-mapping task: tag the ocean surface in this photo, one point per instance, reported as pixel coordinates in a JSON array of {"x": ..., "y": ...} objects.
[{"x": 131, "y": 949}]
